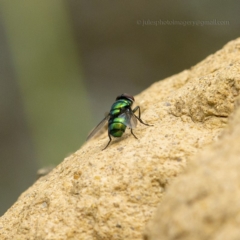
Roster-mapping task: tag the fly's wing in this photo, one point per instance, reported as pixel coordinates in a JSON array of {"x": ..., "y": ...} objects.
[
  {"x": 98, "y": 127},
  {"x": 130, "y": 119}
]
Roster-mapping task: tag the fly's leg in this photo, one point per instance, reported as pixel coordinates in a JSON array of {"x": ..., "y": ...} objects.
[
  {"x": 139, "y": 116},
  {"x": 110, "y": 139},
  {"x": 133, "y": 133}
]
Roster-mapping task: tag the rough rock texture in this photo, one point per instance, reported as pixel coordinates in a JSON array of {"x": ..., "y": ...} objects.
[
  {"x": 204, "y": 203},
  {"x": 111, "y": 194}
]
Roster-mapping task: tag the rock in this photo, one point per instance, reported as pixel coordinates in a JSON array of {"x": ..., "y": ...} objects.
[
  {"x": 204, "y": 202},
  {"x": 112, "y": 194}
]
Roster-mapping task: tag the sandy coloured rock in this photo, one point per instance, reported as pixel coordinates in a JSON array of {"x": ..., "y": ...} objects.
[
  {"x": 112, "y": 194},
  {"x": 204, "y": 202}
]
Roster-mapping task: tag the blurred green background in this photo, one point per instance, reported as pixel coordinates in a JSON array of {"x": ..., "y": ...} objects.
[{"x": 62, "y": 63}]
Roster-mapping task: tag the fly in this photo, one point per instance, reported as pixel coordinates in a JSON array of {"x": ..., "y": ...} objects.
[{"x": 121, "y": 115}]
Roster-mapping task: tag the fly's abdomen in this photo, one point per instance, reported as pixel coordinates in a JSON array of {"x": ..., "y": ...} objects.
[
  {"x": 116, "y": 127},
  {"x": 119, "y": 105}
]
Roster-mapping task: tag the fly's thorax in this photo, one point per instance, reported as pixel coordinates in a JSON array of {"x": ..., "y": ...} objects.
[
  {"x": 119, "y": 106},
  {"x": 116, "y": 126}
]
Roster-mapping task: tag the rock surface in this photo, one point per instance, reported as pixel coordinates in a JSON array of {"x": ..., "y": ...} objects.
[
  {"x": 112, "y": 194},
  {"x": 204, "y": 202}
]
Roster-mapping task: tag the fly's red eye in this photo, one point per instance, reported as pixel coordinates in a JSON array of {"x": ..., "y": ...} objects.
[{"x": 126, "y": 96}]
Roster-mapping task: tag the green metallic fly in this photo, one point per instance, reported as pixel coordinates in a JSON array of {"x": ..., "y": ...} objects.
[{"x": 121, "y": 115}]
